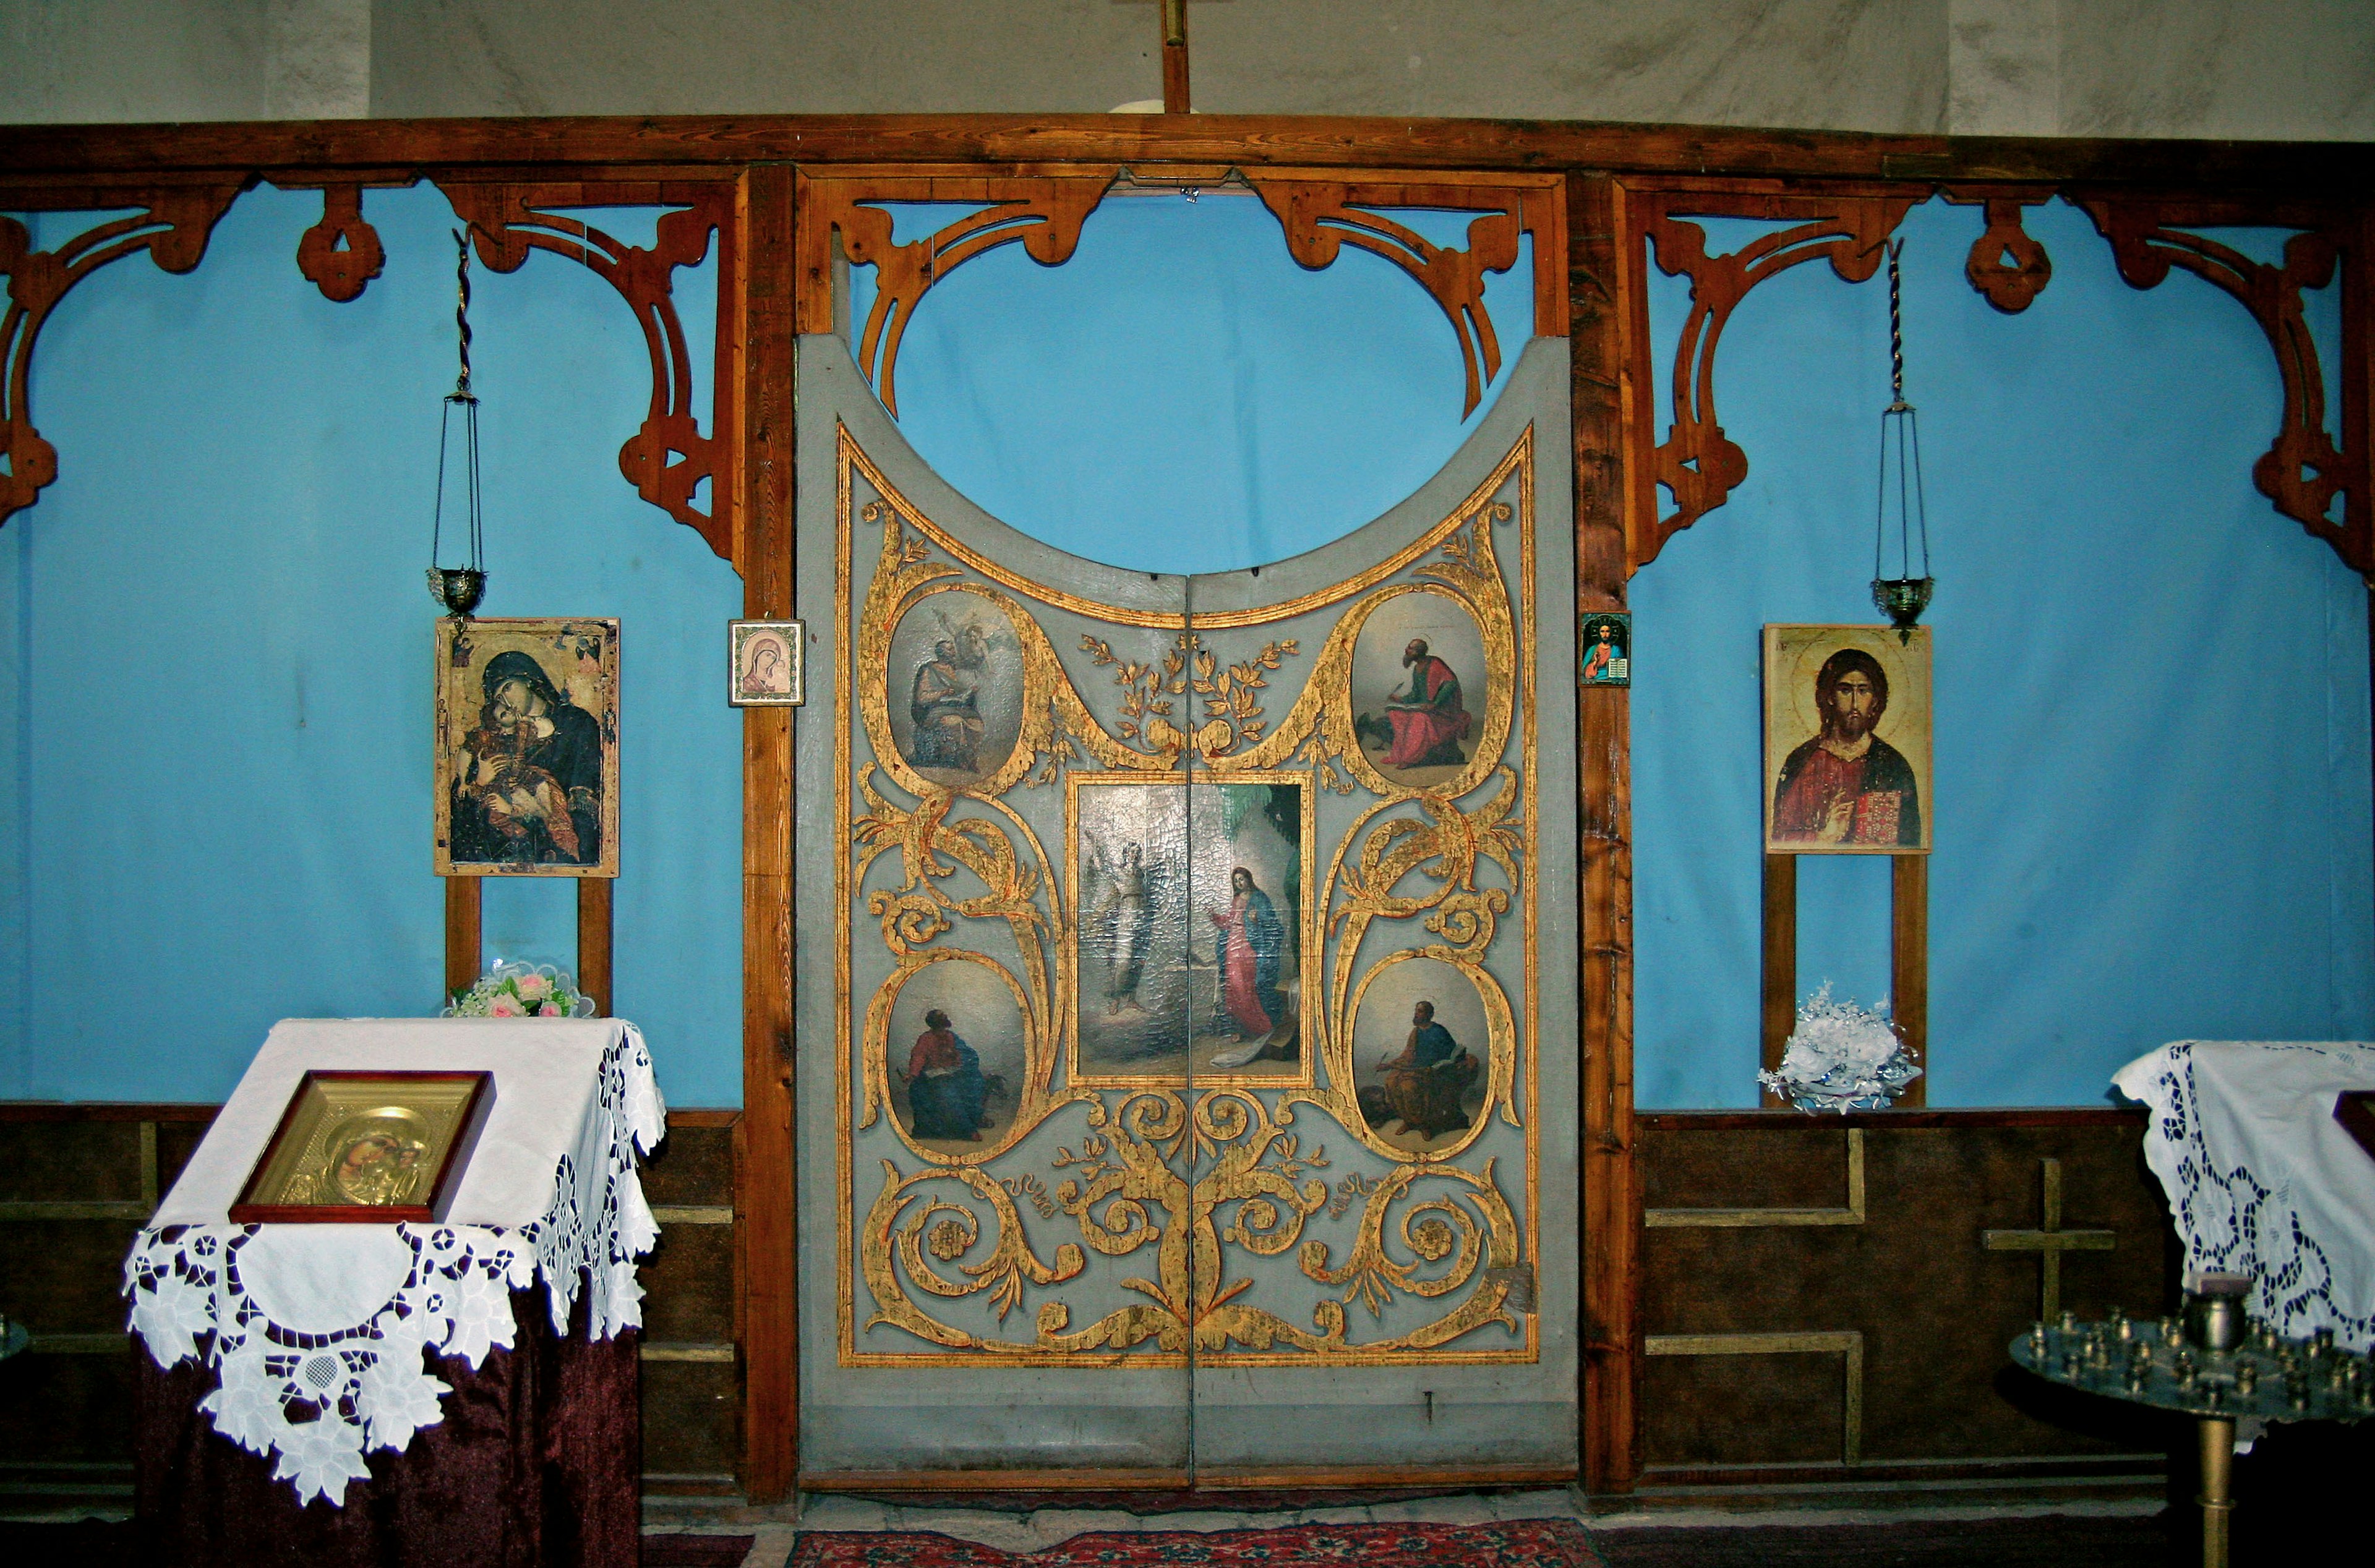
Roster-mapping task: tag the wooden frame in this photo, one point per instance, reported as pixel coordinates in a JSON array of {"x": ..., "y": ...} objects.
[
  {"x": 264, "y": 1199},
  {"x": 1615, "y": 179}
]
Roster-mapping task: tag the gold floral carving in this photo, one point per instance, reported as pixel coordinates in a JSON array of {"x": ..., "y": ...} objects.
[{"x": 1197, "y": 1184}]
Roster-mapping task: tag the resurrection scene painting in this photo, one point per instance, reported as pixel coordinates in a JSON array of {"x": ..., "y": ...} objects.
[
  {"x": 954, "y": 1054},
  {"x": 1419, "y": 1054},
  {"x": 1191, "y": 929},
  {"x": 1418, "y": 688},
  {"x": 955, "y": 688},
  {"x": 1847, "y": 740}
]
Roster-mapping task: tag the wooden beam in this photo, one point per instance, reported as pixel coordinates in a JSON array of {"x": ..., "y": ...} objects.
[
  {"x": 593, "y": 940},
  {"x": 1601, "y": 275},
  {"x": 464, "y": 947},
  {"x": 1780, "y": 1013},
  {"x": 1909, "y": 966},
  {"x": 617, "y": 145},
  {"x": 767, "y": 1260}
]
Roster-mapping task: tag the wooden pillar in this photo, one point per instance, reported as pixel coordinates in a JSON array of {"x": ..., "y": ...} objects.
[
  {"x": 1779, "y": 1014},
  {"x": 593, "y": 940},
  {"x": 464, "y": 946},
  {"x": 1909, "y": 966},
  {"x": 766, "y": 1256},
  {"x": 1602, "y": 287}
]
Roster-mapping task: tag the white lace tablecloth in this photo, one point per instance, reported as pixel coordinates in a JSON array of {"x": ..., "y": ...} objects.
[
  {"x": 2261, "y": 1180},
  {"x": 321, "y": 1333}
]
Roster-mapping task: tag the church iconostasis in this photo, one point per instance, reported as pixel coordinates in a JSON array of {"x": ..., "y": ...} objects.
[{"x": 1187, "y": 965}]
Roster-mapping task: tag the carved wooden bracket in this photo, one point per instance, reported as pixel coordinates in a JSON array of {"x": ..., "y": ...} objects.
[
  {"x": 172, "y": 226},
  {"x": 342, "y": 252},
  {"x": 2007, "y": 267},
  {"x": 2302, "y": 470},
  {"x": 668, "y": 457},
  {"x": 1045, "y": 215},
  {"x": 1696, "y": 462},
  {"x": 1319, "y": 218}
]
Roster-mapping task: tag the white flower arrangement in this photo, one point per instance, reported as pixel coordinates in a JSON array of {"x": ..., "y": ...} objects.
[
  {"x": 1841, "y": 1058},
  {"x": 523, "y": 990}
]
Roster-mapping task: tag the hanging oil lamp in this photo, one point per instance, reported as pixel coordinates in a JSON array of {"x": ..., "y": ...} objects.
[
  {"x": 1902, "y": 598},
  {"x": 459, "y": 588}
]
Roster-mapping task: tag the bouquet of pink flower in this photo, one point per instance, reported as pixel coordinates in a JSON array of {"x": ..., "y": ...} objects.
[{"x": 521, "y": 990}]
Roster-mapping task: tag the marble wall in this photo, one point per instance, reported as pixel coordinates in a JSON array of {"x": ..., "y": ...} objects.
[{"x": 2240, "y": 68}]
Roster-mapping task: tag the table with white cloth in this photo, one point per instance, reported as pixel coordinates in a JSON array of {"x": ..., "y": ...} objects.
[
  {"x": 2261, "y": 1180},
  {"x": 462, "y": 1392}
]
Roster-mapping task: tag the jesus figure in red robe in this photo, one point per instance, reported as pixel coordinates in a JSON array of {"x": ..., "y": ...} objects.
[
  {"x": 1424, "y": 725},
  {"x": 1847, "y": 787}
]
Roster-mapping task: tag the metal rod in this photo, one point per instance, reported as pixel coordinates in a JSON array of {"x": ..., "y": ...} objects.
[
  {"x": 1896, "y": 329},
  {"x": 462, "y": 310},
  {"x": 2218, "y": 1489}
]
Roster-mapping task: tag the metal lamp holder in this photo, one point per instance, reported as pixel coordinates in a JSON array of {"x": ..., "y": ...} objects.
[
  {"x": 459, "y": 588},
  {"x": 1904, "y": 597}
]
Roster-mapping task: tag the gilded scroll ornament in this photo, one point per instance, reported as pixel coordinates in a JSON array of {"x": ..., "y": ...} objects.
[{"x": 1196, "y": 1069}]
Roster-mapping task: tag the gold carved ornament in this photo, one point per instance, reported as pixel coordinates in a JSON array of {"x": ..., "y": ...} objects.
[{"x": 1129, "y": 1190}]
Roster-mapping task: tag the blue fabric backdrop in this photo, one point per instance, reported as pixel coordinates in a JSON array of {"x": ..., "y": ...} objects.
[
  {"x": 2152, "y": 792},
  {"x": 221, "y": 651},
  {"x": 2151, "y": 801},
  {"x": 1180, "y": 395}
]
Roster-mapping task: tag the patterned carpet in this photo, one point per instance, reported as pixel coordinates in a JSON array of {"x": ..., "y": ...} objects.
[{"x": 1525, "y": 1544}]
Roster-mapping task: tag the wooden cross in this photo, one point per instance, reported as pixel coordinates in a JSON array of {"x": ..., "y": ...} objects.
[{"x": 2050, "y": 1240}]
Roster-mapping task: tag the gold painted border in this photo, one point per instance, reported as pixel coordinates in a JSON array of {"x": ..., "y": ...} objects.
[
  {"x": 851, "y": 456},
  {"x": 1518, "y": 464}
]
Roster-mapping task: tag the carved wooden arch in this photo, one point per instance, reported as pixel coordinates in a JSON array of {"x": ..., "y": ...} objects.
[
  {"x": 1320, "y": 217},
  {"x": 1044, "y": 215},
  {"x": 1698, "y": 462},
  {"x": 669, "y": 456},
  {"x": 2303, "y": 470},
  {"x": 172, "y": 225},
  {"x": 1318, "y": 211}
]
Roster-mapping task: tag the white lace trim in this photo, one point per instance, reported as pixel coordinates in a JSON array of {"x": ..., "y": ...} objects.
[
  {"x": 2230, "y": 1219},
  {"x": 320, "y": 1401}
]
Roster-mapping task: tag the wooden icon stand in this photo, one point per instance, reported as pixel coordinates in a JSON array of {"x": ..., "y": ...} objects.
[
  {"x": 1909, "y": 965},
  {"x": 465, "y": 941}
]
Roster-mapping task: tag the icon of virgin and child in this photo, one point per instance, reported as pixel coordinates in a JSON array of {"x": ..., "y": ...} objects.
[{"x": 527, "y": 779}]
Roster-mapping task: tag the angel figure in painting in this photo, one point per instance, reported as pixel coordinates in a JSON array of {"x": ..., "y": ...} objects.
[
  {"x": 947, "y": 1094},
  {"x": 1426, "y": 1084},
  {"x": 1251, "y": 941},
  {"x": 1847, "y": 786},
  {"x": 1426, "y": 722},
  {"x": 528, "y": 787},
  {"x": 1129, "y": 917}
]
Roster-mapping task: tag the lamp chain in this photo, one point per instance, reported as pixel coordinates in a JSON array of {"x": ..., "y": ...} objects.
[
  {"x": 1895, "y": 331},
  {"x": 462, "y": 309}
]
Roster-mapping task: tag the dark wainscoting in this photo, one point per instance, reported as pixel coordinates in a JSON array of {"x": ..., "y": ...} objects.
[
  {"x": 77, "y": 1181},
  {"x": 1821, "y": 1306}
]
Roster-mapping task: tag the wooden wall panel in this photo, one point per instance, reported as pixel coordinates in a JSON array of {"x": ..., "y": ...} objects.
[
  {"x": 1932, "y": 1306},
  {"x": 77, "y": 1181}
]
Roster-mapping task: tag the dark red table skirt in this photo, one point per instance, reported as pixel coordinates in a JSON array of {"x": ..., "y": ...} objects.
[{"x": 538, "y": 1461}]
